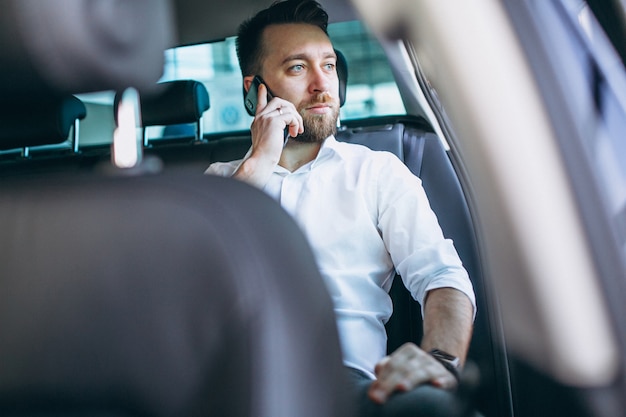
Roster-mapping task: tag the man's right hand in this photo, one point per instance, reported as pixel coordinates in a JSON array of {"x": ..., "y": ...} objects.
[
  {"x": 405, "y": 369},
  {"x": 270, "y": 122},
  {"x": 267, "y": 130}
]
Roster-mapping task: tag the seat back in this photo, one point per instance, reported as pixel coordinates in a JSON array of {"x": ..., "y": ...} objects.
[{"x": 128, "y": 295}]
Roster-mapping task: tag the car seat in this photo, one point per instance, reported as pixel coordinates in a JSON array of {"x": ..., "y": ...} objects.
[{"x": 162, "y": 295}]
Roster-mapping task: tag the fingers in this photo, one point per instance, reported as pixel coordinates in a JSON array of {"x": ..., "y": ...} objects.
[
  {"x": 294, "y": 122},
  {"x": 279, "y": 110},
  {"x": 405, "y": 369},
  {"x": 261, "y": 98}
]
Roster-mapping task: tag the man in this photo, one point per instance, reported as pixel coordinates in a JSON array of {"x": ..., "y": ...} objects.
[{"x": 363, "y": 212}]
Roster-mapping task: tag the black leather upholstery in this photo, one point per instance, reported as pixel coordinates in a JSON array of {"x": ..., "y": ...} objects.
[
  {"x": 76, "y": 46},
  {"x": 163, "y": 296},
  {"x": 176, "y": 102},
  {"x": 342, "y": 74},
  {"x": 173, "y": 102},
  {"x": 41, "y": 121}
]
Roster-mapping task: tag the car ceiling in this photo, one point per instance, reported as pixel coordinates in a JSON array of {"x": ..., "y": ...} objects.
[
  {"x": 46, "y": 48},
  {"x": 201, "y": 21}
]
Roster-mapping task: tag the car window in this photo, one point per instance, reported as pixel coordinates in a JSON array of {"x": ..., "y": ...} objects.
[
  {"x": 601, "y": 86},
  {"x": 372, "y": 90},
  {"x": 607, "y": 84},
  {"x": 371, "y": 87}
]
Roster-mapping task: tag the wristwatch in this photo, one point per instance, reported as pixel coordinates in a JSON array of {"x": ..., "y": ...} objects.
[{"x": 450, "y": 362}]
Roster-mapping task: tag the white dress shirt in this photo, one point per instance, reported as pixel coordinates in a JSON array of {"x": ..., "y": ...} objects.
[{"x": 366, "y": 216}]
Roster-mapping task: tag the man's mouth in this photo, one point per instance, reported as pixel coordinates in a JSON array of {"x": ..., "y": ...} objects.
[{"x": 319, "y": 107}]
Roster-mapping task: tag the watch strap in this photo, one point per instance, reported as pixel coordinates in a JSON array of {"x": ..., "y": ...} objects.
[{"x": 450, "y": 362}]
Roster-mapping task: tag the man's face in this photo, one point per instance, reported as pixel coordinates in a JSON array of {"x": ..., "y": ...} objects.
[{"x": 299, "y": 66}]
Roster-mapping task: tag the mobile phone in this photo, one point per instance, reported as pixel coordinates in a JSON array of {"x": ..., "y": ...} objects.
[{"x": 251, "y": 98}]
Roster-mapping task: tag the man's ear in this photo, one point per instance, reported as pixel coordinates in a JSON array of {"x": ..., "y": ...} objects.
[{"x": 247, "y": 81}]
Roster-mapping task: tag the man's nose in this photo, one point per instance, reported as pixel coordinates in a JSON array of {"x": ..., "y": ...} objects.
[{"x": 320, "y": 81}]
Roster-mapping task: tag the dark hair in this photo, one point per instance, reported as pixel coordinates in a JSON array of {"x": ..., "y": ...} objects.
[{"x": 249, "y": 37}]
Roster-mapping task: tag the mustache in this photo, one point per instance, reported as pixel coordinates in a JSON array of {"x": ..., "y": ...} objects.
[{"x": 320, "y": 98}]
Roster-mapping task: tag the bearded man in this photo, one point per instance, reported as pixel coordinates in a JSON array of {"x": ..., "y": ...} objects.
[{"x": 365, "y": 215}]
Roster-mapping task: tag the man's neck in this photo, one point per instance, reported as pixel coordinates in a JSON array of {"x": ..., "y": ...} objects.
[{"x": 296, "y": 154}]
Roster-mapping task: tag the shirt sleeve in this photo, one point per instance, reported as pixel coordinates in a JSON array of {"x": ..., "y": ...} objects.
[
  {"x": 423, "y": 257},
  {"x": 223, "y": 169}
]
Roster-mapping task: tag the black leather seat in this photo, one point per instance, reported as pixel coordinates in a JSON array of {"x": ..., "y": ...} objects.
[
  {"x": 46, "y": 120},
  {"x": 180, "y": 105},
  {"x": 173, "y": 103},
  {"x": 47, "y": 47},
  {"x": 154, "y": 296},
  {"x": 162, "y": 295}
]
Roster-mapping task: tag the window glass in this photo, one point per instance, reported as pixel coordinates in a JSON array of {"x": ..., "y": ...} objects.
[
  {"x": 215, "y": 65},
  {"x": 372, "y": 90},
  {"x": 589, "y": 82},
  {"x": 371, "y": 87},
  {"x": 606, "y": 83}
]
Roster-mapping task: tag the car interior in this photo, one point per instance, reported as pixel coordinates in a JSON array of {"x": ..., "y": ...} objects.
[{"x": 71, "y": 211}]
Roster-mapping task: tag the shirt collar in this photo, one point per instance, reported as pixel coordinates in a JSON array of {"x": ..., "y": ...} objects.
[{"x": 330, "y": 149}]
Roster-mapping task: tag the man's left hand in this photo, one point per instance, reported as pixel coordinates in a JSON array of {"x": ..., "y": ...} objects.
[{"x": 405, "y": 369}]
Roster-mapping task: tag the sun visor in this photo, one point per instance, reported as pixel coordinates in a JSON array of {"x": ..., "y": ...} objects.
[{"x": 78, "y": 46}]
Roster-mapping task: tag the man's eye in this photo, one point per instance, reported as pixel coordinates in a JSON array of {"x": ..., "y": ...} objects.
[
  {"x": 297, "y": 68},
  {"x": 329, "y": 66}
]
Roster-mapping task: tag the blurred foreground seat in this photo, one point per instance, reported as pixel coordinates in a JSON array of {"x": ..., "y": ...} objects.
[
  {"x": 157, "y": 295},
  {"x": 77, "y": 46},
  {"x": 160, "y": 296}
]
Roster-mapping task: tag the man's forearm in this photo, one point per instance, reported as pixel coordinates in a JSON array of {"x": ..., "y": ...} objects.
[
  {"x": 255, "y": 171},
  {"x": 448, "y": 322}
]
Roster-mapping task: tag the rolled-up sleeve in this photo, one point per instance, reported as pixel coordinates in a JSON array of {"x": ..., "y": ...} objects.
[{"x": 423, "y": 257}]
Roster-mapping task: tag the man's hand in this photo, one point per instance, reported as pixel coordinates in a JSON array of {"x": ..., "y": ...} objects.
[
  {"x": 405, "y": 369},
  {"x": 267, "y": 130},
  {"x": 269, "y": 124}
]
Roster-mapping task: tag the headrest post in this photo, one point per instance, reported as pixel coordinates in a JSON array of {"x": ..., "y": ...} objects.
[
  {"x": 127, "y": 142},
  {"x": 199, "y": 131},
  {"x": 75, "y": 136}
]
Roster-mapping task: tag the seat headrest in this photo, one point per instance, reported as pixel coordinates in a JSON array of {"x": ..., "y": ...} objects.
[
  {"x": 78, "y": 46},
  {"x": 41, "y": 121},
  {"x": 173, "y": 102},
  {"x": 342, "y": 74}
]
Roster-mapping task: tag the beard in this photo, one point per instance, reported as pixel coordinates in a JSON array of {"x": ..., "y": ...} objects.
[{"x": 317, "y": 127}]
